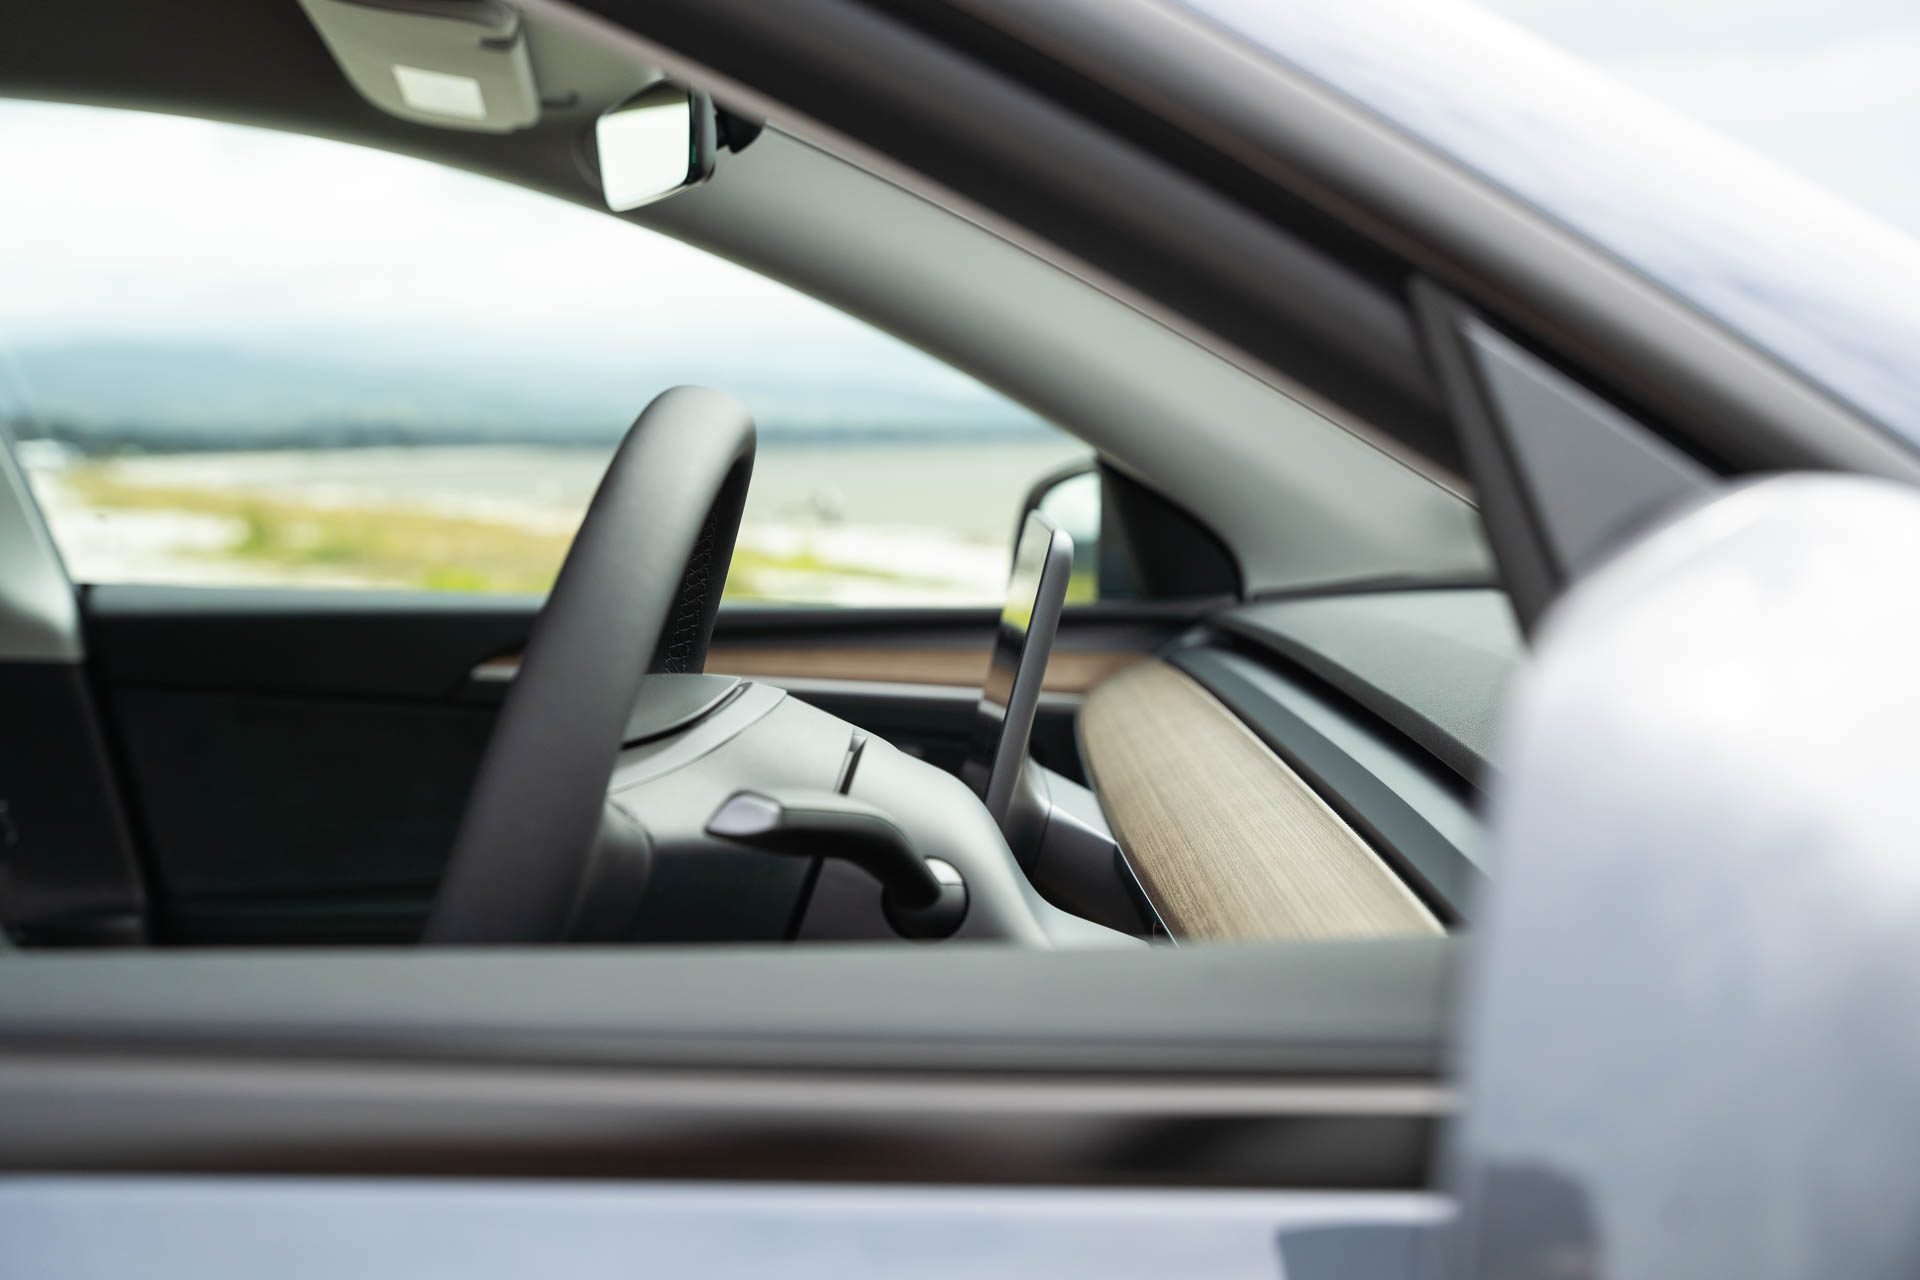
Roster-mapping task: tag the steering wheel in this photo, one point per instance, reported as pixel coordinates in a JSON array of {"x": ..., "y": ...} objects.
[{"x": 637, "y": 594}]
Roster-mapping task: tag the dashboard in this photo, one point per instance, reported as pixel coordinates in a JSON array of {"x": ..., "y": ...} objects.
[
  {"x": 1228, "y": 842},
  {"x": 1303, "y": 769},
  {"x": 1308, "y": 768}
]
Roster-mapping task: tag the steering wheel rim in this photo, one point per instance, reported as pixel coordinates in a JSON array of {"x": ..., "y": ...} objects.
[{"x": 637, "y": 593}]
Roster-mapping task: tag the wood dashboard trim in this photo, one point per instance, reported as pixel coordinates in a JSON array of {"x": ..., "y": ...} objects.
[
  {"x": 1068, "y": 671},
  {"x": 1227, "y": 841}
]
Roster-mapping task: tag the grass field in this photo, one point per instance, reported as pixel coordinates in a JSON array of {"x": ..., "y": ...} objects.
[
  {"x": 855, "y": 525},
  {"x": 411, "y": 547}
]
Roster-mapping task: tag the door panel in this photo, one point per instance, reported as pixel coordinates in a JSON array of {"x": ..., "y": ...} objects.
[
  {"x": 1306, "y": 1065},
  {"x": 272, "y": 816},
  {"x": 297, "y": 762},
  {"x": 67, "y": 871}
]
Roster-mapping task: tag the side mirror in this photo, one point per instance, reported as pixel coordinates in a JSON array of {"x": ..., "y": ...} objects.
[
  {"x": 1129, "y": 542},
  {"x": 1070, "y": 498},
  {"x": 659, "y": 141},
  {"x": 1696, "y": 980}
]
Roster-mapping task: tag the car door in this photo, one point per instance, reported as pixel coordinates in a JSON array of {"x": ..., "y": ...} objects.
[{"x": 1194, "y": 1110}]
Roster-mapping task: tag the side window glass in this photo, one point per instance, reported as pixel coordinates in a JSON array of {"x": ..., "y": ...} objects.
[{"x": 238, "y": 357}]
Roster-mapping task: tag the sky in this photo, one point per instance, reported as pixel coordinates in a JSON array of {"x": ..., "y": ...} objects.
[
  {"x": 146, "y": 225},
  {"x": 131, "y": 226},
  {"x": 1828, "y": 89},
  {"x": 179, "y": 225}
]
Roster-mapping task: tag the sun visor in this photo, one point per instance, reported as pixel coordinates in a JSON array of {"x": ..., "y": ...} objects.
[{"x": 456, "y": 64}]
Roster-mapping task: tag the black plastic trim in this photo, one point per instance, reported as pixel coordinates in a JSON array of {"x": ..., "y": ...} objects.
[
  {"x": 1169, "y": 551},
  {"x": 1433, "y": 665},
  {"x": 1562, "y": 475},
  {"x": 68, "y": 871}
]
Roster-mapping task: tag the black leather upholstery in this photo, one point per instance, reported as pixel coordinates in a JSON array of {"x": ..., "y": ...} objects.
[{"x": 638, "y": 592}]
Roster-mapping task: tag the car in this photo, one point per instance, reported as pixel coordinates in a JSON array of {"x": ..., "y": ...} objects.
[{"x": 1238, "y": 525}]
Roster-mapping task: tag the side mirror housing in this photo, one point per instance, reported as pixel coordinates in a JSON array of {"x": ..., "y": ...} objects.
[
  {"x": 1695, "y": 979},
  {"x": 1130, "y": 542},
  {"x": 1070, "y": 498}
]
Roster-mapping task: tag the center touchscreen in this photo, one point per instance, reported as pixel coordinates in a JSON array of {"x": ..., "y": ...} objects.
[{"x": 1036, "y": 590}]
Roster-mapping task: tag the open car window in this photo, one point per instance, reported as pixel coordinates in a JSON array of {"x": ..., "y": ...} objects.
[{"x": 320, "y": 365}]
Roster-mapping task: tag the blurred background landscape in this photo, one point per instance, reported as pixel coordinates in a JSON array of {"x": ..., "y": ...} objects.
[
  {"x": 204, "y": 464},
  {"x": 315, "y": 365}
]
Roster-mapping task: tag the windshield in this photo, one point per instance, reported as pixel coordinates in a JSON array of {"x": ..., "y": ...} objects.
[{"x": 1824, "y": 285}]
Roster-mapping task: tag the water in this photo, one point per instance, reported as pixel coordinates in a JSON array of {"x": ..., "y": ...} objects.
[{"x": 938, "y": 516}]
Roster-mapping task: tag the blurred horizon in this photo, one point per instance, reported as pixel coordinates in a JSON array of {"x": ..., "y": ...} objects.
[
  {"x": 315, "y": 364},
  {"x": 196, "y": 394}
]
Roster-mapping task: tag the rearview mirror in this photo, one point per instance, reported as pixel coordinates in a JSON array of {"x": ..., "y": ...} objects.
[{"x": 655, "y": 143}]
